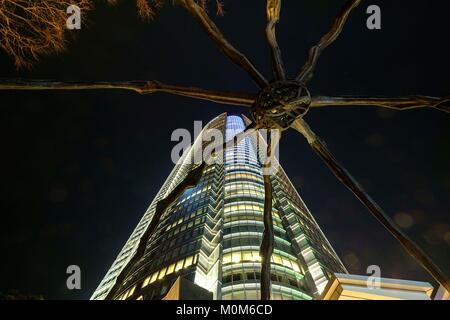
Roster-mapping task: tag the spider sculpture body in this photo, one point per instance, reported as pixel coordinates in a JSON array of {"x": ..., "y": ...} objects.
[{"x": 280, "y": 104}]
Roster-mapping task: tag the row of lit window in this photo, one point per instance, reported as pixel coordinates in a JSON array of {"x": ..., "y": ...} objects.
[
  {"x": 165, "y": 255},
  {"x": 187, "y": 217},
  {"x": 174, "y": 267},
  {"x": 315, "y": 236},
  {"x": 237, "y": 157},
  {"x": 239, "y": 276},
  {"x": 234, "y": 176},
  {"x": 244, "y": 226},
  {"x": 243, "y": 207},
  {"x": 252, "y": 217},
  {"x": 203, "y": 190},
  {"x": 250, "y": 170},
  {"x": 253, "y": 256},
  {"x": 242, "y": 152},
  {"x": 249, "y": 167},
  {"x": 247, "y": 206},
  {"x": 257, "y": 186},
  {"x": 255, "y": 295},
  {"x": 187, "y": 236},
  {"x": 180, "y": 221},
  {"x": 301, "y": 213},
  {"x": 245, "y": 146},
  {"x": 185, "y": 227},
  {"x": 255, "y": 241},
  {"x": 239, "y": 148},
  {"x": 161, "y": 274},
  {"x": 244, "y": 192},
  {"x": 211, "y": 168}
]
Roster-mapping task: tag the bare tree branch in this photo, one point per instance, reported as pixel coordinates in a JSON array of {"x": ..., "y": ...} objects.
[
  {"x": 190, "y": 181},
  {"x": 142, "y": 87},
  {"x": 345, "y": 177},
  {"x": 401, "y": 103},
  {"x": 273, "y": 16},
  {"x": 214, "y": 33},
  {"x": 307, "y": 71},
  {"x": 30, "y": 30}
]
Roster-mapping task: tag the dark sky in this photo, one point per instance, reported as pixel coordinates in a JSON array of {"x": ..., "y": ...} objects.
[{"x": 80, "y": 168}]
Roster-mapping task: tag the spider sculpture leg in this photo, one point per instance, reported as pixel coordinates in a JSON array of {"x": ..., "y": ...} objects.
[
  {"x": 216, "y": 35},
  {"x": 142, "y": 87},
  {"x": 309, "y": 67},
  {"x": 346, "y": 178}
]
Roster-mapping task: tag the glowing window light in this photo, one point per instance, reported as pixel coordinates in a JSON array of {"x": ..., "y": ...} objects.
[
  {"x": 188, "y": 262},
  {"x": 154, "y": 277},
  {"x": 227, "y": 258},
  {"x": 170, "y": 269},
  {"x": 295, "y": 266},
  {"x": 196, "y": 258},
  {"x": 287, "y": 263},
  {"x": 162, "y": 273},
  {"x": 247, "y": 256},
  {"x": 146, "y": 282},
  {"x": 256, "y": 256},
  {"x": 130, "y": 292},
  {"x": 236, "y": 257},
  {"x": 179, "y": 265},
  {"x": 277, "y": 259}
]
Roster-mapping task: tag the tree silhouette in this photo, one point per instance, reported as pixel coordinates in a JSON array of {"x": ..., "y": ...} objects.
[
  {"x": 31, "y": 29},
  {"x": 279, "y": 104}
]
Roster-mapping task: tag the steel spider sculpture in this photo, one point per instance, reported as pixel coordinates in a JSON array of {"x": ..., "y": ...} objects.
[{"x": 280, "y": 104}]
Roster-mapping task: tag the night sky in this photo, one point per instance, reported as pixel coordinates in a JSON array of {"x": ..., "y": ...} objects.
[{"x": 78, "y": 169}]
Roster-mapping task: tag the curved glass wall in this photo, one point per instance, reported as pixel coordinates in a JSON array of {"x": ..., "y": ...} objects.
[
  {"x": 212, "y": 233},
  {"x": 243, "y": 229}
]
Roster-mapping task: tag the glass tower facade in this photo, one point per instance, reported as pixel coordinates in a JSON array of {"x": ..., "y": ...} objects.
[{"x": 212, "y": 233}]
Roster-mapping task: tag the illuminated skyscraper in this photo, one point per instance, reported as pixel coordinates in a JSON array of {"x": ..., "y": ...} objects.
[{"x": 212, "y": 233}]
